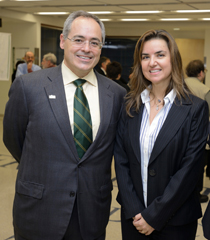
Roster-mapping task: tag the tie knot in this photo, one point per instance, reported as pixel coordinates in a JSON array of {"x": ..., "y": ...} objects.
[{"x": 79, "y": 82}]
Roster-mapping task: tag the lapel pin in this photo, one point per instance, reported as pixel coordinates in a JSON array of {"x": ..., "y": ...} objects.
[{"x": 52, "y": 97}]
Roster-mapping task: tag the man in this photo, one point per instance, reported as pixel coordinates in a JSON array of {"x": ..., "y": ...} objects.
[
  {"x": 102, "y": 64},
  {"x": 49, "y": 60},
  {"x": 196, "y": 75},
  {"x": 114, "y": 70},
  {"x": 61, "y": 195},
  {"x": 27, "y": 67}
]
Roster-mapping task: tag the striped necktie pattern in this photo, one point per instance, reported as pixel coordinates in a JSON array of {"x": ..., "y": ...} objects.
[{"x": 82, "y": 119}]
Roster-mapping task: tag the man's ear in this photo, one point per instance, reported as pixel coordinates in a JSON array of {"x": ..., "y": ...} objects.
[
  {"x": 200, "y": 73},
  {"x": 62, "y": 41}
]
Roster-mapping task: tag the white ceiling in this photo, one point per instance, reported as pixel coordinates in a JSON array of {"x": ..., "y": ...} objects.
[{"x": 119, "y": 7}]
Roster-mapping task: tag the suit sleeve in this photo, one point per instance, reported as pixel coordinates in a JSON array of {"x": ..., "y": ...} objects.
[
  {"x": 15, "y": 119},
  {"x": 127, "y": 196},
  {"x": 184, "y": 181},
  {"x": 206, "y": 221}
]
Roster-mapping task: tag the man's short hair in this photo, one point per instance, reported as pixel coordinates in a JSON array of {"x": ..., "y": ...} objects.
[
  {"x": 113, "y": 70},
  {"x": 102, "y": 60},
  {"x": 194, "y": 68},
  {"x": 81, "y": 13},
  {"x": 50, "y": 57}
]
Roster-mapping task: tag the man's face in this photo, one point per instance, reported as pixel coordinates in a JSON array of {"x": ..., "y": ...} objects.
[
  {"x": 45, "y": 63},
  {"x": 203, "y": 75},
  {"x": 29, "y": 57},
  {"x": 81, "y": 59},
  {"x": 104, "y": 64}
]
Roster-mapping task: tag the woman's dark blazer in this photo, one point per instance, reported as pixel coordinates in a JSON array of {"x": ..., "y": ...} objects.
[{"x": 173, "y": 169}]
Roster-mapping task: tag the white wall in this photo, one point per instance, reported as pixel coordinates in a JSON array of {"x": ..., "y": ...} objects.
[
  {"x": 207, "y": 55},
  {"x": 23, "y": 34},
  {"x": 26, "y": 32}
]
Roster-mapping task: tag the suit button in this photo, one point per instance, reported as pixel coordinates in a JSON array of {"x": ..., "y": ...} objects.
[
  {"x": 72, "y": 194},
  {"x": 152, "y": 172}
]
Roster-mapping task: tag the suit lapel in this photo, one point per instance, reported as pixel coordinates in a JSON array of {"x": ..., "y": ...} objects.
[
  {"x": 56, "y": 96},
  {"x": 173, "y": 122},
  {"x": 134, "y": 131}
]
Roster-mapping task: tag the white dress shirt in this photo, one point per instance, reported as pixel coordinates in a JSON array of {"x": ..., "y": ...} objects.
[
  {"x": 90, "y": 88},
  {"x": 149, "y": 133}
]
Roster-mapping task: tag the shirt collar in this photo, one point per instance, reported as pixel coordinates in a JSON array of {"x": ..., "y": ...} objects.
[
  {"x": 69, "y": 76},
  {"x": 103, "y": 70},
  {"x": 169, "y": 97}
]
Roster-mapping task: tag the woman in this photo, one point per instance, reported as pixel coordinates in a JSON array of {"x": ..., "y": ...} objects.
[{"x": 159, "y": 146}]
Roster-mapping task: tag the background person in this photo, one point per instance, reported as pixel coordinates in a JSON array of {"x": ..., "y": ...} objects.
[
  {"x": 195, "y": 71},
  {"x": 28, "y": 66},
  {"x": 102, "y": 65},
  {"x": 61, "y": 193},
  {"x": 195, "y": 81},
  {"x": 49, "y": 60},
  {"x": 15, "y": 70},
  {"x": 159, "y": 146},
  {"x": 114, "y": 71}
]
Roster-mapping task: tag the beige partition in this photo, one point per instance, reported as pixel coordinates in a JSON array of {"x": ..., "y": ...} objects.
[{"x": 190, "y": 49}]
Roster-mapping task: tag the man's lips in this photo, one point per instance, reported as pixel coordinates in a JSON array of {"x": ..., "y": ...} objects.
[{"x": 84, "y": 57}]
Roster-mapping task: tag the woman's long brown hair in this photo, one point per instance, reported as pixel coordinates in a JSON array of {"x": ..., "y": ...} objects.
[{"x": 139, "y": 83}]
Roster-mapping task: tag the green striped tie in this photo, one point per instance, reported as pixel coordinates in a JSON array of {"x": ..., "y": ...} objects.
[{"x": 82, "y": 119}]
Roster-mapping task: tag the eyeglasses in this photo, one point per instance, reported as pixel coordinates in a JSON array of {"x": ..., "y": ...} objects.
[{"x": 81, "y": 42}]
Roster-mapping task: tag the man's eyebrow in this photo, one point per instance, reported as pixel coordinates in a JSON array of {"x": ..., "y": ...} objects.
[{"x": 80, "y": 36}]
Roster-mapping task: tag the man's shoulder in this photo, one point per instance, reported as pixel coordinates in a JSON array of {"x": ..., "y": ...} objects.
[
  {"x": 22, "y": 65},
  {"x": 113, "y": 86},
  {"x": 50, "y": 73},
  {"x": 36, "y": 66}
]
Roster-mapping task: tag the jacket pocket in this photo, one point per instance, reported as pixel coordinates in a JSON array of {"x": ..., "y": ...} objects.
[
  {"x": 106, "y": 189},
  {"x": 30, "y": 189}
]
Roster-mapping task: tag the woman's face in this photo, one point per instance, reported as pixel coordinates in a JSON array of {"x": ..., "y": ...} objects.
[{"x": 156, "y": 62}]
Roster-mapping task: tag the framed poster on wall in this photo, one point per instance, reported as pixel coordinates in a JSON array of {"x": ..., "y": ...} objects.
[{"x": 5, "y": 56}]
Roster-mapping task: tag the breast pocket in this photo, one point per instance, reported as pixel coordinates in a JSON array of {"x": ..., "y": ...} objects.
[{"x": 34, "y": 190}]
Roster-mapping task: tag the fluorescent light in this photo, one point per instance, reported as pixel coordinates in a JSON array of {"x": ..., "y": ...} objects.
[
  {"x": 101, "y": 12},
  {"x": 105, "y": 20},
  {"x": 134, "y": 19},
  {"x": 176, "y": 29},
  {"x": 174, "y": 19},
  {"x": 143, "y": 12},
  {"x": 193, "y": 11},
  {"x": 206, "y": 19},
  {"x": 52, "y": 13}
]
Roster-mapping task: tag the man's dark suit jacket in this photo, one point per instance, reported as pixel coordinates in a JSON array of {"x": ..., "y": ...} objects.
[
  {"x": 173, "y": 169},
  {"x": 206, "y": 222},
  {"x": 99, "y": 70},
  {"x": 37, "y": 133}
]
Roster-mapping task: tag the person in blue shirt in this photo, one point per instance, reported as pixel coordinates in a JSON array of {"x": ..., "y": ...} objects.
[{"x": 28, "y": 66}]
